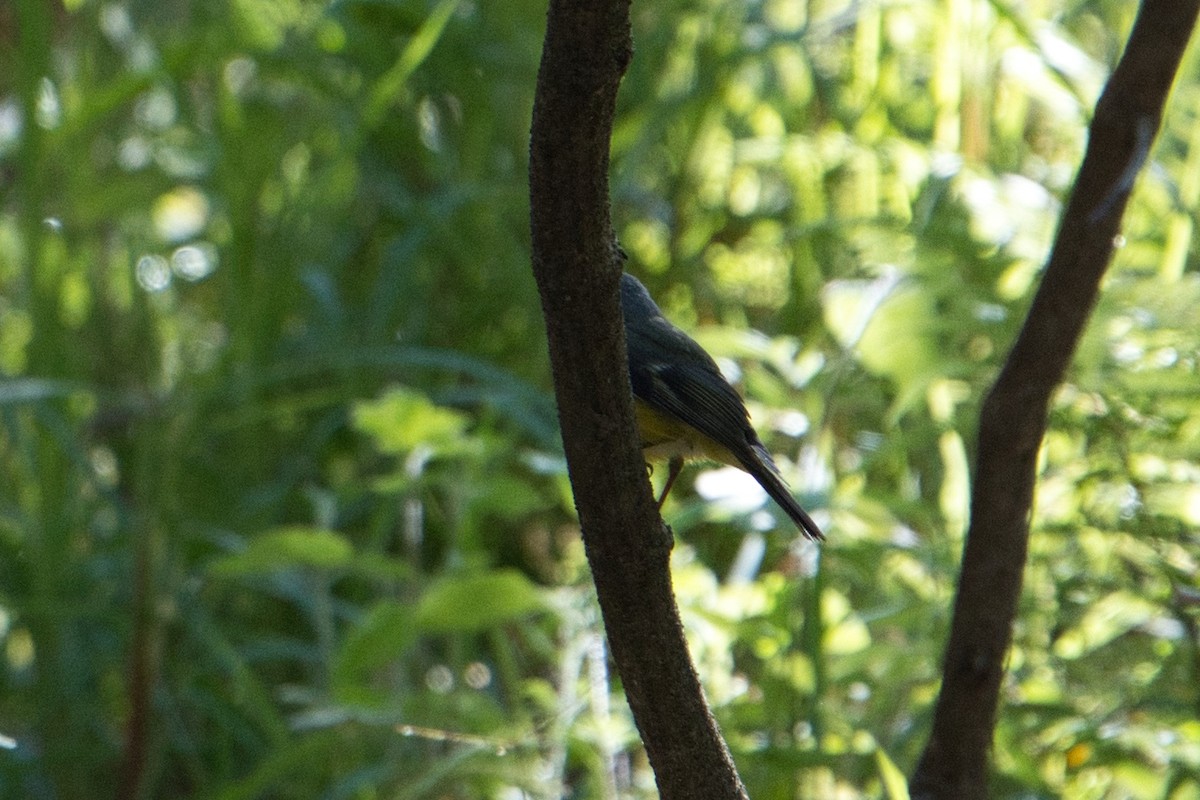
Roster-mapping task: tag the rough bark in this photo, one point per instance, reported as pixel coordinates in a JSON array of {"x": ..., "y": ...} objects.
[
  {"x": 1013, "y": 418},
  {"x": 577, "y": 266}
]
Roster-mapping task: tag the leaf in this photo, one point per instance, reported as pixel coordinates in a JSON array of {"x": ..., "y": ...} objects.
[
  {"x": 895, "y": 785},
  {"x": 403, "y": 419},
  {"x": 845, "y": 631},
  {"x": 379, "y": 638},
  {"x": 1110, "y": 617},
  {"x": 286, "y": 548},
  {"x": 954, "y": 497},
  {"x": 477, "y": 602},
  {"x": 417, "y": 49},
  {"x": 509, "y": 498}
]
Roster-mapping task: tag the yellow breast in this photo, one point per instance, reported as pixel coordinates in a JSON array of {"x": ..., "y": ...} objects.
[{"x": 664, "y": 437}]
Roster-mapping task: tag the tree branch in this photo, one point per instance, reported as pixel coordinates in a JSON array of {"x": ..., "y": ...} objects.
[
  {"x": 577, "y": 266},
  {"x": 1013, "y": 418}
]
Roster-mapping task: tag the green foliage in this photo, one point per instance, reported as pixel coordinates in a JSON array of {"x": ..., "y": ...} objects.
[
  {"x": 476, "y": 603},
  {"x": 291, "y": 548},
  {"x": 282, "y": 507}
]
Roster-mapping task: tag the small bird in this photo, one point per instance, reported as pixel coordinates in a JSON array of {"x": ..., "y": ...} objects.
[{"x": 686, "y": 409}]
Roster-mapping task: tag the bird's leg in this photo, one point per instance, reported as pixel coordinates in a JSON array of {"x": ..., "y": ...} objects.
[{"x": 674, "y": 467}]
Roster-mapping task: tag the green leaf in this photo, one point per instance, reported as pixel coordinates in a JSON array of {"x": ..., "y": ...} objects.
[
  {"x": 403, "y": 419},
  {"x": 379, "y": 638},
  {"x": 509, "y": 497},
  {"x": 477, "y": 602},
  {"x": 1107, "y": 619},
  {"x": 416, "y": 51},
  {"x": 895, "y": 785},
  {"x": 286, "y": 548}
]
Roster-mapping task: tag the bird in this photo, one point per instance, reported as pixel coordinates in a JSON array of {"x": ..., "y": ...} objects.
[{"x": 685, "y": 408}]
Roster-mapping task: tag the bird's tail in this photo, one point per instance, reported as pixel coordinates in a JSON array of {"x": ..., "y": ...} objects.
[{"x": 758, "y": 462}]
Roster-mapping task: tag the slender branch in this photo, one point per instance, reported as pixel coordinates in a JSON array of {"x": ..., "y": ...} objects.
[
  {"x": 577, "y": 267},
  {"x": 1013, "y": 419},
  {"x": 142, "y": 662}
]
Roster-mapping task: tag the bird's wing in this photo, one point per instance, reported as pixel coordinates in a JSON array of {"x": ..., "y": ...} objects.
[{"x": 673, "y": 374}]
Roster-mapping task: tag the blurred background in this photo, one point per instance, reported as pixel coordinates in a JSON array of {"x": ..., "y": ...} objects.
[{"x": 283, "y": 511}]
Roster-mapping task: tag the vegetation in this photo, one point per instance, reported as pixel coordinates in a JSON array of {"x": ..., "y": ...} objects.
[{"x": 283, "y": 511}]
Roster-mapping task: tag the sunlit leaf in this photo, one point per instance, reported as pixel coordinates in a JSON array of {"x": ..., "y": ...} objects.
[
  {"x": 1112, "y": 616},
  {"x": 477, "y": 602},
  {"x": 286, "y": 548},
  {"x": 403, "y": 419},
  {"x": 895, "y": 784}
]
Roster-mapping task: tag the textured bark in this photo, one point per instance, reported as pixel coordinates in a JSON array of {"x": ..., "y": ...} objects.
[
  {"x": 577, "y": 266},
  {"x": 1013, "y": 418}
]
